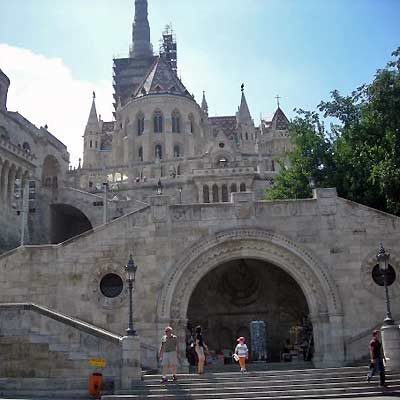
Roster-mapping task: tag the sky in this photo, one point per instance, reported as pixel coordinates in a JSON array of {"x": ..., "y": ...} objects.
[{"x": 56, "y": 52}]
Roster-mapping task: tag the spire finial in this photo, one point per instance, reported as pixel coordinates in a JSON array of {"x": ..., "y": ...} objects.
[
  {"x": 94, "y": 94},
  {"x": 242, "y": 87},
  {"x": 277, "y": 99}
]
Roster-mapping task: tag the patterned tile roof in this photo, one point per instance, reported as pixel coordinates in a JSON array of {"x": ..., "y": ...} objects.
[
  {"x": 226, "y": 124},
  {"x": 161, "y": 79}
]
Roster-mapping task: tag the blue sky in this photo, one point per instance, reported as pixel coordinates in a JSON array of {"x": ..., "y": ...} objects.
[{"x": 300, "y": 50}]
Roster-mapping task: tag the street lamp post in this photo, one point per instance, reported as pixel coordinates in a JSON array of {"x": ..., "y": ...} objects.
[
  {"x": 383, "y": 260},
  {"x": 130, "y": 269},
  {"x": 180, "y": 194},
  {"x": 105, "y": 202},
  {"x": 159, "y": 187}
]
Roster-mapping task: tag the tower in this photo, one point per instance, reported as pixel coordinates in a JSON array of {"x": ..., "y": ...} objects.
[
  {"x": 4, "y": 85},
  {"x": 141, "y": 46},
  {"x": 168, "y": 49},
  {"x": 245, "y": 125},
  {"x": 130, "y": 71},
  {"x": 91, "y": 137}
]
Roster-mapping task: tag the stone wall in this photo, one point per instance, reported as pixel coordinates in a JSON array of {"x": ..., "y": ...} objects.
[{"x": 326, "y": 244}]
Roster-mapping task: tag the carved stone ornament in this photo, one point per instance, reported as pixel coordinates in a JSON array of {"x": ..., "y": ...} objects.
[
  {"x": 314, "y": 279},
  {"x": 368, "y": 282},
  {"x": 110, "y": 267}
]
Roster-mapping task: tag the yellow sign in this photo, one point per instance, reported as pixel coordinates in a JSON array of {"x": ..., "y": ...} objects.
[{"x": 98, "y": 362}]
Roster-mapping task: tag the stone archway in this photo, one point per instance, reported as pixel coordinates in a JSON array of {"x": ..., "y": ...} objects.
[{"x": 310, "y": 274}]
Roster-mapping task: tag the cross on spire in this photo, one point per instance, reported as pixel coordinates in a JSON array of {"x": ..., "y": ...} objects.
[
  {"x": 242, "y": 87},
  {"x": 277, "y": 99}
]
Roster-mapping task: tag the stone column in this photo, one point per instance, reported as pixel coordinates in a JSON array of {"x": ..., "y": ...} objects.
[
  {"x": 131, "y": 370},
  {"x": 10, "y": 189},
  {"x": 179, "y": 326},
  {"x": 391, "y": 345},
  {"x": 5, "y": 184}
]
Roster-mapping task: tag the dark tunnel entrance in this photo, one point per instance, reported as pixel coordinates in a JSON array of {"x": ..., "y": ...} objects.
[{"x": 67, "y": 222}]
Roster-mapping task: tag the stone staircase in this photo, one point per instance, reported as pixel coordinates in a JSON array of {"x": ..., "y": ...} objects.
[{"x": 330, "y": 383}]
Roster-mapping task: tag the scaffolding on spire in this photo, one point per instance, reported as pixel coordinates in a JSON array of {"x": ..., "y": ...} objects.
[{"x": 168, "y": 48}]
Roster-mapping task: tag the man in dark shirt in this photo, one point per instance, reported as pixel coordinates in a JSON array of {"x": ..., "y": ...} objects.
[{"x": 376, "y": 356}]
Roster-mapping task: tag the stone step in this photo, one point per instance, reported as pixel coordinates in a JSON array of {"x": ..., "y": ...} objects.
[
  {"x": 339, "y": 394},
  {"x": 268, "y": 375},
  {"x": 260, "y": 385},
  {"x": 332, "y": 381}
]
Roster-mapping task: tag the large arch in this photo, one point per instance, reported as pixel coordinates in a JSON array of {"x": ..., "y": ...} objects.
[
  {"x": 312, "y": 276},
  {"x": 66, "y": 222}
]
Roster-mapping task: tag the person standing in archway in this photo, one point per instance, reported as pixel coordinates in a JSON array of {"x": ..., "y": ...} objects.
[
  {"x": 169, "y": 354},
  {"x": 200, "y": 346},
  {"x": 242, "y": 353}
]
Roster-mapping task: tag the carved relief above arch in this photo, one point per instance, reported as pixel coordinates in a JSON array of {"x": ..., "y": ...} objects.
[{"x": 314, "y": 279}]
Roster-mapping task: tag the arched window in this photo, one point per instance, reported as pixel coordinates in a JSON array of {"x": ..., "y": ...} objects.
[
  {"x": 178, "y": 170},
  {"x": 158, "y": 151},
  {"x": 191, "y": 121},
  {"x": 272, "y": 165},
  {"x": 215, "y": 195},
  {"x": 26, "y": 147},
  {"x": 242, "y": 187},
  {"x": 140, "y": 153},
  {"x": 158, "y": 122},
  {"x": 140, "y": 124},
  {"x": 247, "y": 136},
  {"x": 91, "y": 144},
  {"x": 206, "y": 194},
  {"x": 176, "y": 122},
  {"x": 177, "y": 151},
  {"x": 224, "y": 193},
  {"x": 233, "y": 188}
]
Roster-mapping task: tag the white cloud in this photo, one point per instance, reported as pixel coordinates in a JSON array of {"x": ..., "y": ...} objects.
[{"x": 44, "y": 91}]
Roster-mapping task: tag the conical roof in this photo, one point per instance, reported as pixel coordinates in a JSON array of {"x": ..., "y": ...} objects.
[
  {"x": 243, "y": 115},
  {"x": 92, "y": 125},
  {"x": 204, "y": 105},
  {"x": 161, "y": 80},
  {"x": 279, "y": 121}
]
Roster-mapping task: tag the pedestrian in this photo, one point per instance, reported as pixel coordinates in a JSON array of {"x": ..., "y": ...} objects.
[
  {"x": 169, "y": 354},
  {"x": 376, "y": 357},
  {"x": 200, "y": 346},
  {"x": 242, "y": 353}
]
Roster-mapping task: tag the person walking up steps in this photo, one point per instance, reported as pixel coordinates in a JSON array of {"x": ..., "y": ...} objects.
[
  {"x": 376, "y": 357},
  {"x": 200, "y": 346},
  {"x": 242, "y": 352},
  {"x": 169, "y": 354}
]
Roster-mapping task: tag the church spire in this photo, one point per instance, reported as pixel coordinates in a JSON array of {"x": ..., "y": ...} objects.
[
  {"x": 92, "y": 125},
  {"x": 141, "y": 46},
  {"x": 243, "y": 115},
  {"x": 204, "y": 105}
]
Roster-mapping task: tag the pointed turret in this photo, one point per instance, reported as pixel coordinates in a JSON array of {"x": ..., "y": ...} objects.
[
  {"x": 204, "y": 105},
  {"x": 243, "y": 115},
  {"x": 279, "y": 121},
  {"x": 92, "y": 125},
  {"x": 141, "y": 46}
]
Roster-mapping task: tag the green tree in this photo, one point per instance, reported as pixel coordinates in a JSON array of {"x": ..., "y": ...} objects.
[{"x": 360, "y": 155}]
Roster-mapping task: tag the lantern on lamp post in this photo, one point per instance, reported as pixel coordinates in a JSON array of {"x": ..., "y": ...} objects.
[{"x": 130, "y": 269}]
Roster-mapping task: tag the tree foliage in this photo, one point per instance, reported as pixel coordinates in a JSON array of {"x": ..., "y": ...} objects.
[{"x": 360, "y": 155}]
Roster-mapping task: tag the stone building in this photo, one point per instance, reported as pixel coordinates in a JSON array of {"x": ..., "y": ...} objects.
[
  {"x": 209, "y": 249},
  {"x": 30, "y": 158}
]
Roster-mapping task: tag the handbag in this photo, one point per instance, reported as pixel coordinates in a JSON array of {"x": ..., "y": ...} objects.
[{"x": 236, "y": 357}]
